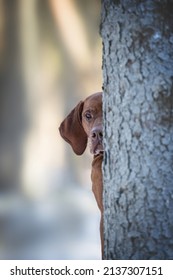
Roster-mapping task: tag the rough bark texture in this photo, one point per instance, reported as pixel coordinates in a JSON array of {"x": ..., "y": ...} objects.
[{"x": 138, "y": 127}]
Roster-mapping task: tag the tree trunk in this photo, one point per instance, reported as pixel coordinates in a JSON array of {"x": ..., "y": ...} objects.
[
  {"x": 138, "y": 128},
  {"x": 12, "y": 110}
]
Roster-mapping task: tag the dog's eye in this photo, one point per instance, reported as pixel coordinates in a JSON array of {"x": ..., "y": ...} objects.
[{"x": 88, "y": 116}]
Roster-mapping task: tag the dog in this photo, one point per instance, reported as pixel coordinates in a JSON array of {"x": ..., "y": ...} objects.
[{"x": 82, "y": 127}]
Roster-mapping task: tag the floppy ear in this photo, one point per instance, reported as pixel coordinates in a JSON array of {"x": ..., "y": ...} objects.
[{"x": 72, "y": 131}]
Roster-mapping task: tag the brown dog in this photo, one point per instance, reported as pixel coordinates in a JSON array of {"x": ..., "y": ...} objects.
[{"x": 84, "y": 125}]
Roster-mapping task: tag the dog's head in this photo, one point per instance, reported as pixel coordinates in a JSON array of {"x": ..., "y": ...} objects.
[{"x": 84, "y": 124}]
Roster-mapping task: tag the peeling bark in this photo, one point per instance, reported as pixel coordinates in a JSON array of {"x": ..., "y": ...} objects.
[{"x": 138, "y": 128}]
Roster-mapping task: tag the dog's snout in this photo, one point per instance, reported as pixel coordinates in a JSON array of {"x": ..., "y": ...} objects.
[{"x": 97, "y": 134}]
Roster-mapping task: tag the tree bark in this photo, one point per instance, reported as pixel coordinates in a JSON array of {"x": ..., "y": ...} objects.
[{"x": 138, "y": 128}]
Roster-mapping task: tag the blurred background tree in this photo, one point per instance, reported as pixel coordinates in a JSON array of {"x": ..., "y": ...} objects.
[{"x": 50, "y": 58}]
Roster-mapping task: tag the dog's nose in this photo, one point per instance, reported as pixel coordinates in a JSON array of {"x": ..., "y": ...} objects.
[{"x": 97, "y": 134}]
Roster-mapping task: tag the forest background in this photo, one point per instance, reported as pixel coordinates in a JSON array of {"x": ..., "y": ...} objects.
[{"x": 50, "y": 58}]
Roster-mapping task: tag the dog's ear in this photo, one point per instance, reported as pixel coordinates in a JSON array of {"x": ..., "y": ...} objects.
[{"x": 72, "y": 131}]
